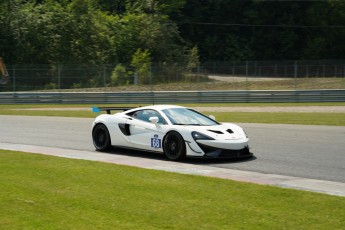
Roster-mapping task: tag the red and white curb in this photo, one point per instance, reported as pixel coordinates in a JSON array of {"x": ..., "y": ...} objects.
[{"x": 320, "y": 186}]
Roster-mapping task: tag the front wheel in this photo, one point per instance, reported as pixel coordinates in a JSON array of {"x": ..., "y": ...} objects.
[
  {"x": 101, "y": 138},
  {"x": 174, "y": 146}
]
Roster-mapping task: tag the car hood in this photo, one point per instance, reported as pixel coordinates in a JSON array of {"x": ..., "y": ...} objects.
[{"x": 224, "y": 131}]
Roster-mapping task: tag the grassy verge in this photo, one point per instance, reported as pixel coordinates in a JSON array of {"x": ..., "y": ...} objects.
[
  {"x": 52, "y": 113},
  {"x": 333, "y": 119},
  {"x": 230, "y": 83},
  {"x": 336, "y": 119},
  {"x": 44, "y": 192}
]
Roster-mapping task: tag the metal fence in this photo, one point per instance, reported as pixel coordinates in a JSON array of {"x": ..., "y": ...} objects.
[
  {"x": 248, "y": 75},
  {"x": 285, "y": 69}
]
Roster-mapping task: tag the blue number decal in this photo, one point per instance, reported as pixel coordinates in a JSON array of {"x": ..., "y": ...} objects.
[{"x": 156, "y": 142}]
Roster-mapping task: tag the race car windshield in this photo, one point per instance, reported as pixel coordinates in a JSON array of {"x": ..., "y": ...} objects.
[{"x": 184, "y": 116}]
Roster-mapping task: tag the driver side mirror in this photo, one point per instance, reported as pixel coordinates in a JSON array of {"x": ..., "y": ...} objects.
[{"x": 154, "y": 120}]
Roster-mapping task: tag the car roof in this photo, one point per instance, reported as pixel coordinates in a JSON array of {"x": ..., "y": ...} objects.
[
  {"x": 155, "y": 107},
  {"x": 161, "y": 107}
]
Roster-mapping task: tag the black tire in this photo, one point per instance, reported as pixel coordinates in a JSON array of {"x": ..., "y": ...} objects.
[
  {"x": 101, "y": 138},
  {"x": 174, "y": 146}
]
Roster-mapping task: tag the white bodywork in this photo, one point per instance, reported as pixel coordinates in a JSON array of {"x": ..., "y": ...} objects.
[{"x": 149, "y": 135}]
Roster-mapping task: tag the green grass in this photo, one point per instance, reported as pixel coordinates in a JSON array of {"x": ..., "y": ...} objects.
[
  {"x": 44, "y": 192},
  {"x": 62, "y": 113},
  {"x": 336, "y": 119},
  {"x": 333, "y": 119},
  {"x": 285, "y": 104}
]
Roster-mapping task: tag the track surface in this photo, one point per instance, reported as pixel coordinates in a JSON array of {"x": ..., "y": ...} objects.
[{"x": 316, "y": 152}]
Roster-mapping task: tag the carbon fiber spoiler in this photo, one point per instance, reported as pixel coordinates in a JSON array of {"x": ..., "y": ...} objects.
[{"x": 108, "y": 109}]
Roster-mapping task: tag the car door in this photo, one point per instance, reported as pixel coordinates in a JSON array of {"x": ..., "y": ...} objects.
[{"x": 143, "y": 133}]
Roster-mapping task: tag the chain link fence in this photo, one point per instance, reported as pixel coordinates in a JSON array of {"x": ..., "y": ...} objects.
[{"x": 248, "y": 75}]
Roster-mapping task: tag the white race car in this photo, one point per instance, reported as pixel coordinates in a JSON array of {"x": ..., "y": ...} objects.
[{"x": 173, "y": 130}]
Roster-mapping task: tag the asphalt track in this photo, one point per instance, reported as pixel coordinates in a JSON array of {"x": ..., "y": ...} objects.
[{"x": 313, "y": 152}]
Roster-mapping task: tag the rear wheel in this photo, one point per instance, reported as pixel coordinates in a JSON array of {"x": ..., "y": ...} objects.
[
  {"x": 174, "y": 146},
  {"x": 101, "y": 138}
]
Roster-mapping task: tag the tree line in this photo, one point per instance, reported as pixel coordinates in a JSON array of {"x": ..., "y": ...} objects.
[{"x": 169, "y": 32}]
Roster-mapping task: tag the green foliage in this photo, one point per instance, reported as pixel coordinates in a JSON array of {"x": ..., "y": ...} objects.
[
  {"x": 76, "y": 85},
  {"x": 120, "y": 76},
  {"x": 193, "y": 59},
  {"x": 83, "y": 31},
  {"x": 100, "y": 31},
  {"x": 163, "y": 7},
  {"x": 51, "y": 85},
  {"x": 139, "y": 71},
  {"x": 141, "y": 61},
  {"x": 264, "y": 30}
]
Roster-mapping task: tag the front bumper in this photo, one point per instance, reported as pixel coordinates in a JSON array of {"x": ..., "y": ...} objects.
[{"x": 225, "y": 153}]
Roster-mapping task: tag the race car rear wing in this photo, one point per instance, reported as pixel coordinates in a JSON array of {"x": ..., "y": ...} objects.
[{"x": 108, "y": 109}]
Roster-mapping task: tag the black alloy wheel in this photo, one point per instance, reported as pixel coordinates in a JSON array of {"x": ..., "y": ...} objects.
[
  {"x": 101, "y": 138},
  {"x": 174, "y": 146}
]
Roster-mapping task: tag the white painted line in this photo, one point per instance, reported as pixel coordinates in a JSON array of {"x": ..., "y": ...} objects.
[{"x": 320, "y": 186}]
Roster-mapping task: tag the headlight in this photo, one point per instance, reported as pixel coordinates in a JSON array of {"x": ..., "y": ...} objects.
[{"x": 200, "y": 136}]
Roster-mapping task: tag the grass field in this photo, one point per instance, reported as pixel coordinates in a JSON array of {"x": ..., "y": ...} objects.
[
  {"x": 44, "y": 192},
  {"x": 336, "y": 119},
  {"x": 333, "y": 119}
]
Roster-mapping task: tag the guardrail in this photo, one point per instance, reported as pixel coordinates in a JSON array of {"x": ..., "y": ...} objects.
[{"x": 161, "y": 97}]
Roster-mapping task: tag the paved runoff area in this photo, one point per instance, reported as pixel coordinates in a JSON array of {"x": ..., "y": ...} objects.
[{"x": 321, "y": 186}]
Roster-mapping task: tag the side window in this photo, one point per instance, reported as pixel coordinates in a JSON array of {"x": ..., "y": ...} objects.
[
  {"x": 144, "y": 115},
  {"x": 141, "y": 115}
]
